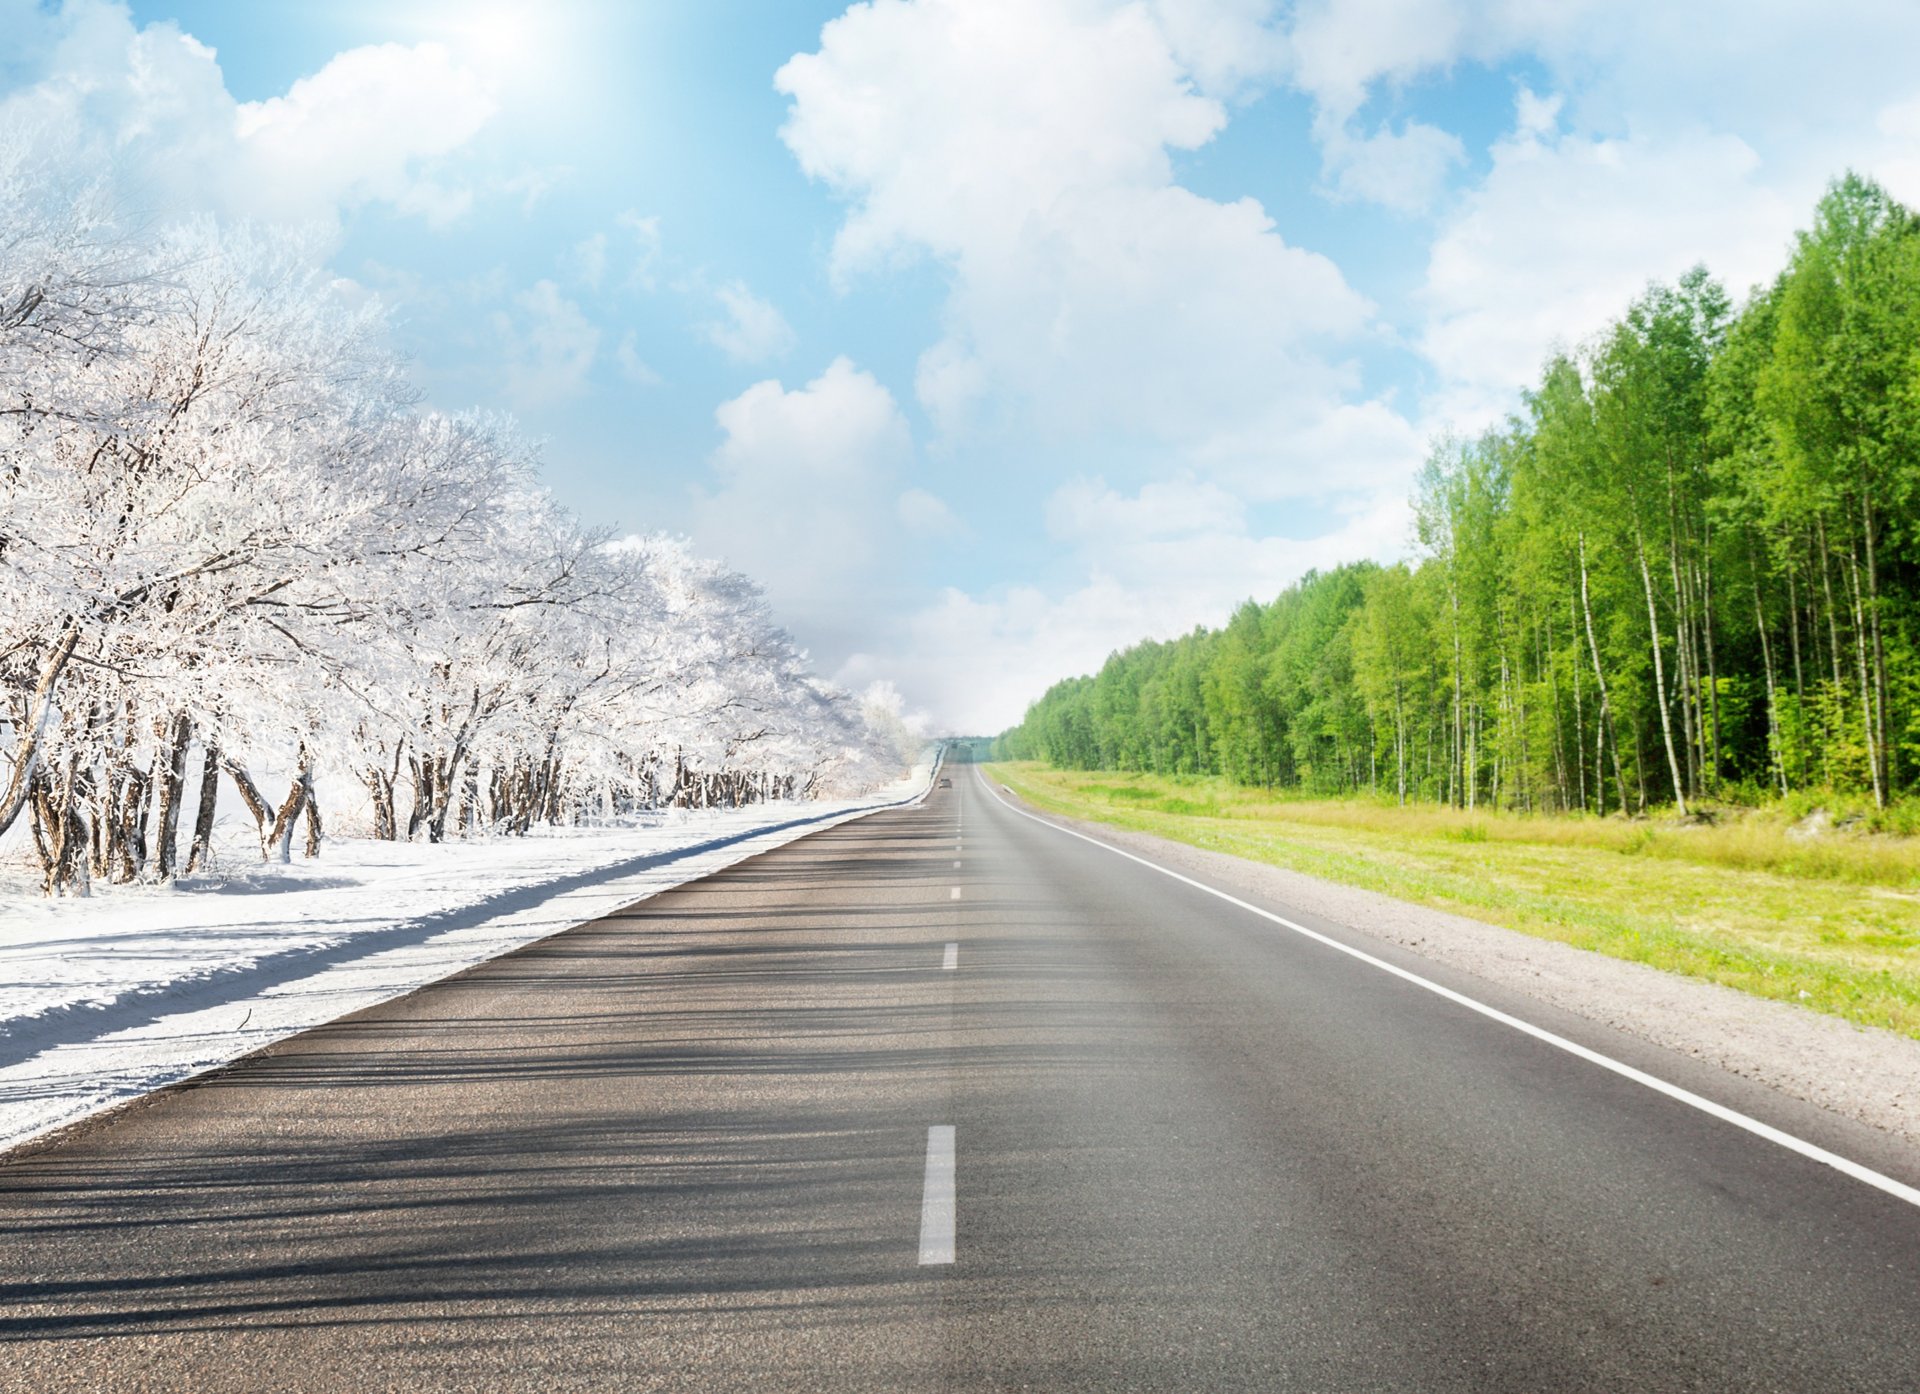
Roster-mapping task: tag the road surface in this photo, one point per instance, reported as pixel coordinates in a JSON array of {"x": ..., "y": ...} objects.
[{"x": 948, "y": 1099}]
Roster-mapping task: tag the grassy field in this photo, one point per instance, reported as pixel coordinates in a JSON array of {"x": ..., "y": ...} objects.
[{"x": 1792, "y": 910}]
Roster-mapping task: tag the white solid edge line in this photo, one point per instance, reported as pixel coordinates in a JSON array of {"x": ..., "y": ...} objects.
[
  {"x": 936, "y": 1197},
  {"x": 951, "y": 958},
  {"x": 1899, "y": 1190}
]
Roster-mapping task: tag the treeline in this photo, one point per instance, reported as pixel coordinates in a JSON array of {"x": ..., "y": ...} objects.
[
  {"x": 1687, "y": 570},
  {"x": 233, "y": 546}
]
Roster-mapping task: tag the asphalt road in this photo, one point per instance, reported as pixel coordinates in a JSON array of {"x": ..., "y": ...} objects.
[{"x": 704, "y": 1145}]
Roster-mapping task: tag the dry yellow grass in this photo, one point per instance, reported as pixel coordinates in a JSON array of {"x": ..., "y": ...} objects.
[{"x": 1830, "y": 920}]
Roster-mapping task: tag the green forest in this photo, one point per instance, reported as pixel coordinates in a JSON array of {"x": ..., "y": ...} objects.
[{"x": 1687, "y": 571}]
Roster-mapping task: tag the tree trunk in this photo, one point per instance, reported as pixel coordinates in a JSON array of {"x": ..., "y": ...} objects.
[
  {"x": 32, "y": 731},
  {"x": 313, "y": 823},
  {"x": 1400, "y": 740},
  {"x": 1580, "y": 732},
  {"x": 298, "y": 795},
  {"x": 251, "y": 796},
  {"x": 384, "y": 827},
  {"x": 1603, "y": 726},
  {"x": 1713, "y": 671},
  {"x": 1868, "y": 529},
  {"x": 1457, "y": 794},
  {"x": 201, "y": 851},
  {"x": 1799, "y": 775},
  {"x": 1867, "y": 703},
  {"x": 421, "y": 767},
  {"x": 132, "y": 839},
  {"x": 173, "y": 789},
  {"x": 1773, "y": 697},
  {"x": 1660, "y": 678},
  {"x": 64, "y": 842}
]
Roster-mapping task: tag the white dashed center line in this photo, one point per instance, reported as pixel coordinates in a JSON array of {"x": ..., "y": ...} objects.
[
  {"x": 936, "y": 1197},
  {"x": 955, "y": 895},
  {"x": 951, "y": 960}
]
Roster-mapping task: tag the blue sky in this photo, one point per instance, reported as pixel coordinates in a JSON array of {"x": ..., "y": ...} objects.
[{"x": 989, "y": 334}]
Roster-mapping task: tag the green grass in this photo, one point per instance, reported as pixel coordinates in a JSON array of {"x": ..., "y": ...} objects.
[{"x": 1756, "y": 899}]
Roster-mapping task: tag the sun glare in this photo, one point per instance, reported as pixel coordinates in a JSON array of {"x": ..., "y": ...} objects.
[
  {"x": 513, "y": 44},
  {"x": 501, "y": 36}
]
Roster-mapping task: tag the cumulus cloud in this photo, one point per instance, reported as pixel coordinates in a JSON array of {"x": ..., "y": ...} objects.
[
  {"x": 643, "y": 247},
  {"x": 1627, "y": 67},
  {"x": 1896, "y": 162},
  {"x": 633, "y": 367},
  {"x": 1339, "y": 49},
  {"x": 359, "y": 129},
  {"x": 1026, "y": 146},
  {"x": 1718, "y": 62},
  {"x": 1227, "y": 45},
  {"x": 926, "y": 514},
  {"x": 751, "y": 330},
  {"x": 586, "y": 260},
  {"x": 1405, "y": 170},
  {"x": 807, "y": 487},
  {"x": 1154, "y": 564},
  {"x": 150, "y": 104},
  {"x": 547, "y": 347},
  {"x": 1565, "y": 229}
]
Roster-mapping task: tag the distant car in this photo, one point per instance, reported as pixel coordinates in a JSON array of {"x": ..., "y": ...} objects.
[{"x": 946, "y": 784}]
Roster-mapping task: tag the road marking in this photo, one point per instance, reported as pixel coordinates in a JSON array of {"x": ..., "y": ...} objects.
[
  {"x": 955, "y": 895},
  {"x": 951, "y": 960},
  {"x": 956, "y": 864},
  {"x": 1899, "y": 1190},
  {"x": 936, "y": 1197}
]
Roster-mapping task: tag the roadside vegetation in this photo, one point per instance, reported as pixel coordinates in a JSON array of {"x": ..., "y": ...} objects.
[
  {"x": 1650, "y": 681},
  {"x": 1799, "y": 904},
  {"x": 1687, "y": 575}
]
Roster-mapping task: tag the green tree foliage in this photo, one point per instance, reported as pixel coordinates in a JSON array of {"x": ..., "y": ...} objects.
[{"x": 1691, "y": 569}]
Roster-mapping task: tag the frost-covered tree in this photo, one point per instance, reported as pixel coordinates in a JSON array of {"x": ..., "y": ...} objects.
[{"x": 231, "y": 544}]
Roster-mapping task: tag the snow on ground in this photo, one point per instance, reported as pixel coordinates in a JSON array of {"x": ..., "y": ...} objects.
[{"x": 105, "y": 999}]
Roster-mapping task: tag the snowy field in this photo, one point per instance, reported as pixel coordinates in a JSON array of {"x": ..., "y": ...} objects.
[{"x": 105, "y": 999}]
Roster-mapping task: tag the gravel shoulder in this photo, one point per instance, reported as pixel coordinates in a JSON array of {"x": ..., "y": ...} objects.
[{"x": 1866, "y": 1075}]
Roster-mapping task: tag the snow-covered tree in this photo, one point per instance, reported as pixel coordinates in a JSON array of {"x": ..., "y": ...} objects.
[{"x": 232, "y": 543}]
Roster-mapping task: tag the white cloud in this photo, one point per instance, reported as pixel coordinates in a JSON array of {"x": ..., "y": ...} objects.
[
  {"x": 1155, "y": 563},
  {"x": 358, "y": 130},
  {"x": 1566, "y": 229},
  {"x": 1723, "y": 63},
  {"x": 632, "y": 366},
  {"x": 1340, "y": 48},
  {"x": 1026, "y": 145},
  {"x": 1628, "y": 68},
  {"x": 531, "y": 186},
  {"x": 150, "y": 105},
  {"x": 752, "y": 331},
  {"x": 927, "y": 514},
  {"x": 1088, "y": 514},
  {"x": 1226, "y": 44},
  {"x": 808, "y": 482},
  {"x": 1405, "y": 170},
  {"x": 546, "y": 345},
  {"x": 1897, "y": 162},
  {"x": 1026, "y": 148},
  {"x": 586, "y": 260},
  {"x": 643, "y": 234},
  {"x": 1351, "y": 447}
]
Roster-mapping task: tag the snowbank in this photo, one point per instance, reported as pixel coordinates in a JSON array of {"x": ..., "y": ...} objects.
[{"x": 103, "y": 1000}]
